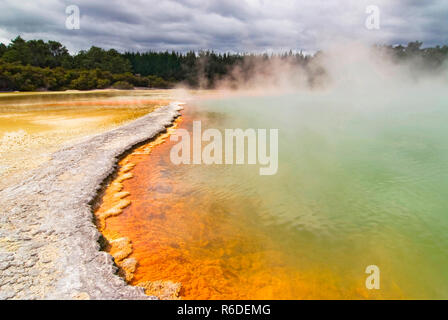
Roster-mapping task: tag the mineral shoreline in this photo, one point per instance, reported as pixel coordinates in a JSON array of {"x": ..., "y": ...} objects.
[{"x": 49, "y": 244}]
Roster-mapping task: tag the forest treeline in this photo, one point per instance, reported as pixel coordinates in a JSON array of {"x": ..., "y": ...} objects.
[{"x": 39, "y": 65}]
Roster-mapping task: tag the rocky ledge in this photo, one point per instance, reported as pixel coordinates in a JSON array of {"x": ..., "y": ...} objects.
[{"x": 49, "y": 244}]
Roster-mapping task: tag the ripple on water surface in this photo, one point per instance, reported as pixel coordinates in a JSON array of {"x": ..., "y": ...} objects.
[{"x": 347, "y": 195}]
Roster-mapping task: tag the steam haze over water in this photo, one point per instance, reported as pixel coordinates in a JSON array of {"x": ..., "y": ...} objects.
[
  {"x": 362, "y": 180},
  {"x": 362, "y": 172}
]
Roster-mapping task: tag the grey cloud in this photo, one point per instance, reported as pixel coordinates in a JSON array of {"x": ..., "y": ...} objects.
[{"x": 223, "y": 25}]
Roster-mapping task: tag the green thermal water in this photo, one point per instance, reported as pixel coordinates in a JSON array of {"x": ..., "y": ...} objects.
[{"x": 360, "y": 182}]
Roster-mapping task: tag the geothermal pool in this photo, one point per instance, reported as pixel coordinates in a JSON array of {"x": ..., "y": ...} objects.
[
  {"x": 360, "y": 182},
  {"x": 33, "y": 125}
]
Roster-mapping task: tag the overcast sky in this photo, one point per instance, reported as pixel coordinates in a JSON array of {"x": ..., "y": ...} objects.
[{"x": 223, "y": 25}]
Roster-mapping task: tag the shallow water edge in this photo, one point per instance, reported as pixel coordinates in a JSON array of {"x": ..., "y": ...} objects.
[{"x": 49, "y": 245}]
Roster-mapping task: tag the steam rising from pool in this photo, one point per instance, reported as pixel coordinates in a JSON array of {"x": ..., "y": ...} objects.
[{"x": 362, "y": 180}]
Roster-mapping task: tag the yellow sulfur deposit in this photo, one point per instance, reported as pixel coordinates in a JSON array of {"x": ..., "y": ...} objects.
[{"x": 165, "y": 290}]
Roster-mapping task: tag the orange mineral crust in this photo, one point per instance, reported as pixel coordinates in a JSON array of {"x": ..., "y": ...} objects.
[{"x": 177, "y": 242}]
